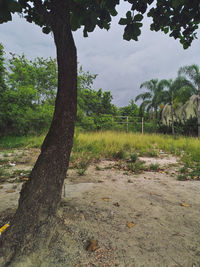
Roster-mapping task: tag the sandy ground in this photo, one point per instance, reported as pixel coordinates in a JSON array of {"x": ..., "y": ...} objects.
[{"x": 150, "y": 219}]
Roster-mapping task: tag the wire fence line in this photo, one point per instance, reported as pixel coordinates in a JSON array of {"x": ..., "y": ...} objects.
[
  {"x": 143, "y": 125},
  {"x": 127, "y": 123}
]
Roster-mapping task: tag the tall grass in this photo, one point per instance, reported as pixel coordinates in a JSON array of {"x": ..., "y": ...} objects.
[
  {"x": 9, "y": 142},
  {"x": 107, "y": 144}
]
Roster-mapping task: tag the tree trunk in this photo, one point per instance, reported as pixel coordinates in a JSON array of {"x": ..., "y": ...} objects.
[
  {"x": 34, "y": 219},
  {"x": 198, "y": 110}
]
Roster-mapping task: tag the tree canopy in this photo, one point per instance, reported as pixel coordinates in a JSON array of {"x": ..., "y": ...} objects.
[{"x": 178, "y": 18}]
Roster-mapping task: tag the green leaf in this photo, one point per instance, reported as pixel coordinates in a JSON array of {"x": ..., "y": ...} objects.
[
  {"x": 14, "y": 6},
  {"x": 74, "y": 22},
  {"x": 46, "y": 30},
  {"x": 129, "y": 17},
  {"x": 138, "y": 17},
  {"x": 166, "y": 30},
  {"x": 175, "y": 3},
  {"x": 123, "y": 21},
  {"x": 5, "y": 15},
  {"x": 113, "y": 12}
]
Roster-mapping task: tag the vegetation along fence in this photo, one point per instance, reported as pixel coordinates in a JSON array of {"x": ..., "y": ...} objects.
[{"x": 123, "y": 123}]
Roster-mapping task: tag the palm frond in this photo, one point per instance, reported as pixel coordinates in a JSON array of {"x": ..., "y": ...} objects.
[
  {"x": 145, "y": 104},
  {"x": 192, "y": 71},
  {"x": 150, "y": 85},
  {"x": 143, "y": 96}
]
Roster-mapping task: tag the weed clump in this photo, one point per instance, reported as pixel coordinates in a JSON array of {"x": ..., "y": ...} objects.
[
  {"x": 82, "y": 166},
  {"x": 190, "y": 171},
  {"x": 183, "y": 177},
  {"x": 121, "y": 154},
  {"x": 152, "y": 153},
  {"x": 136, "y": 167},
  {"x": 154, "y": 167},
  {"x": 3, "y": 175},
  {"x": 133, "y": 157}
]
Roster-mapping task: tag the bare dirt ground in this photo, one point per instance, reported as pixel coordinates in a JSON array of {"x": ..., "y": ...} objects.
[{"x": 109, "y": 217}]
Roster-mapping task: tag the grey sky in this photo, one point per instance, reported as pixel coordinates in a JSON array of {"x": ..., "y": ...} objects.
[{"x": 121, "y": 66}]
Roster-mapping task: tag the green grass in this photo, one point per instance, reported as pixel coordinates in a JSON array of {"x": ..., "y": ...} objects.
[
  {"x": 108, "y": 143},
  {"x": 91, "y": 146},
  {"x": 133, "y": 157},
  {"x": 154, "y": 167},
  {"x": 3, "y": 175},
  {"x": 10, "y": 142},
  {"x": 121, "y": 154},
  {"x": 4, "y": 161},
  {"x": 136, "y": 167}
]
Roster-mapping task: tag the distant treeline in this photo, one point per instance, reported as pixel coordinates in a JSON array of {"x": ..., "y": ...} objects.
[{"x": 28, "y": 90}]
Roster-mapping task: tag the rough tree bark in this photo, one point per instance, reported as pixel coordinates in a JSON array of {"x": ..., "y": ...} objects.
[{"x": 34, "y": 219}]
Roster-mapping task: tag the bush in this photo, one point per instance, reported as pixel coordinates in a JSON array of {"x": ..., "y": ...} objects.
[
  {"x": 121, "y": 154},
  {"x": 133, "y": 157}
]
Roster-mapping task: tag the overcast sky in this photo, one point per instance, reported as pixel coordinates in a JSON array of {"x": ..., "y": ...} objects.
[{"x": 121, "y": 66}]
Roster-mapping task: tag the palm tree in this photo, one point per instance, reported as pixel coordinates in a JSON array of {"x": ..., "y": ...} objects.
[
  {"x": 152, "y": 98},
  {"x": 175, "y": 89},
  {"x": 193, "y": 72}
]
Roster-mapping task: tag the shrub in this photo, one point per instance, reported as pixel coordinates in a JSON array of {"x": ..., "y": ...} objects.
[
  {"x": 121, "y": 154},
  {"x": 154, "y": 166},
  {"x": 133, "y": 157}
]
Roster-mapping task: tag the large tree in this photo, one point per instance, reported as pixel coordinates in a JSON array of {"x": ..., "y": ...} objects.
[
  {"x": 174, "y": 90},
  {"x": 152, "y": 98},
  {"x": 193, "y": 73},
  {"x": 40, "y": 196}
]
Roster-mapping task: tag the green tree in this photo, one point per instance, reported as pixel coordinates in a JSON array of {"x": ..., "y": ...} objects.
[
  {"x": 2, "y": 69},
  {"x": 130, "y": 110},
  {"x": 93, "y": 106},
  {"x": 175, "y": 89},
  {"x": 153, "y": 98},
  {"x": 40, "y": 196},
  {"x": 27, "y": 100},
  {"x": 40, "y": 74},
  {"x": 193, "y": 73},
  {"x": 2, "y": 85}
]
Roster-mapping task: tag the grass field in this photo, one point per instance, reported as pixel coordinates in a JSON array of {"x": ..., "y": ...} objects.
[
  {"x": 107, "y": 144},
  {"x": 122, "y": 146}
]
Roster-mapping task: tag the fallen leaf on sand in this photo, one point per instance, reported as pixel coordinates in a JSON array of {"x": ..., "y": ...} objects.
[
  {"x": 130, "y": 224},
  {"x": 184, "y": 205},
  {"x": 25, "y": 179},
  {"x": 106, "y": 199},
  {"x": 1, "y": 187},
  {"x": 100, "y": 181},
  {"x": 10, "y": 191},
  {"x": 92, "y": 245},
  {"x": 116, "y": 204}
]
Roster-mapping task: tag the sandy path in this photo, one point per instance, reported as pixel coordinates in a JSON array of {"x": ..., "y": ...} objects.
[{"x": 164, "y": 231}]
